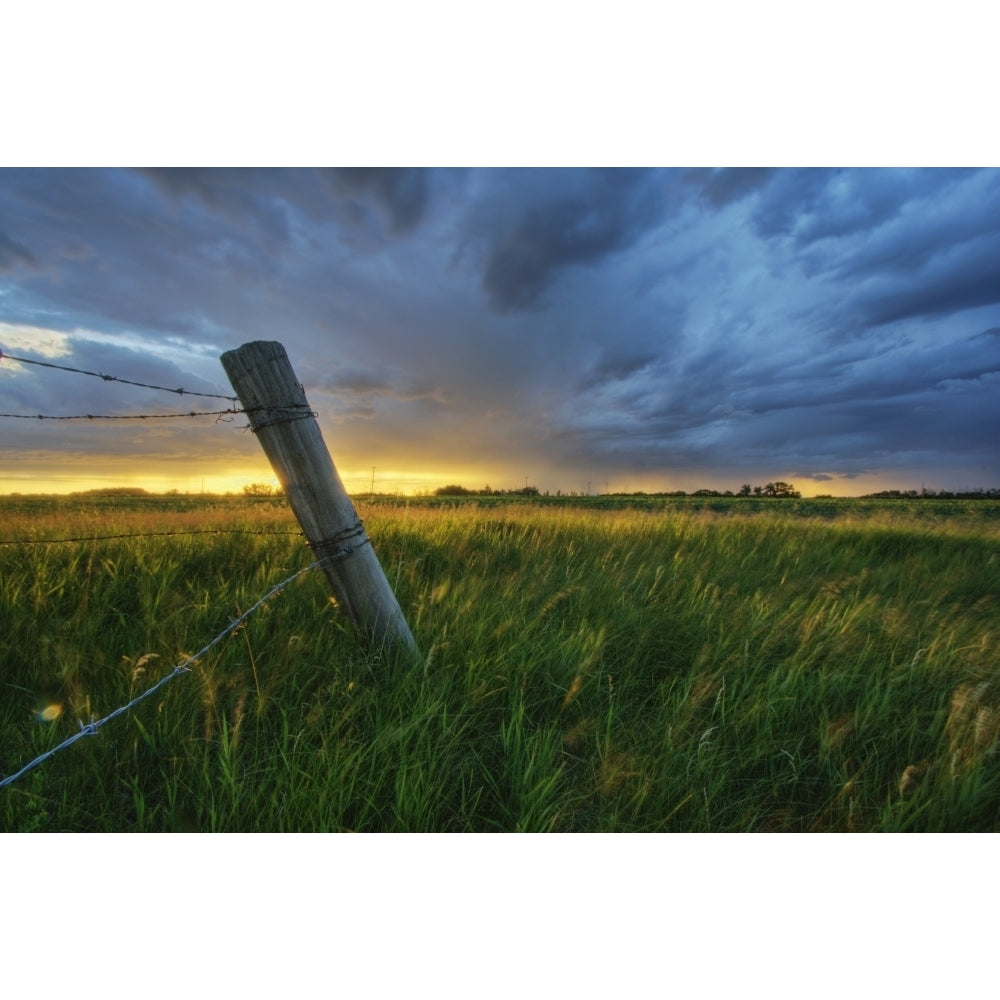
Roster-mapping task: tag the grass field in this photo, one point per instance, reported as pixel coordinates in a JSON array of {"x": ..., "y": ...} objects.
[{"x": 604, "y": 664}]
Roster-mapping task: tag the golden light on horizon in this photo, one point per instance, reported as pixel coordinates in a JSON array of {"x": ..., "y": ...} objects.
[
  {"x": 49, "y": 471},
  {"x": 77, "y": 475}
]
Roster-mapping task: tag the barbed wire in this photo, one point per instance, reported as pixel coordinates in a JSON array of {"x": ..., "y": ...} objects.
[
  {"x": 339, "y": 544},
  {"x": 91, "y": 729},
  {"x": 298, "y": 410},
  {"x": 184, "y": 667},
  {"x": 115, "y": 378},
  {"x": 125, "y": 416},
  {"x": 147, "y": 534}
]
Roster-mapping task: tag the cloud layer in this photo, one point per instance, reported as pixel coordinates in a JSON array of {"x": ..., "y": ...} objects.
[{"x": 650, "y": 329}]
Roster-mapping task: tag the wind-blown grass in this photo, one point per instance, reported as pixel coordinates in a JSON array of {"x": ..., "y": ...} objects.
[{"x": 669, "y": 667}]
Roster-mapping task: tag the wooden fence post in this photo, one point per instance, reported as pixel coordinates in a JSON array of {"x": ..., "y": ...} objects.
[{"x": 280, "y": 416}]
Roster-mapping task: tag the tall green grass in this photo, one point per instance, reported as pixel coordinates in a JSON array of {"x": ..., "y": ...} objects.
[{"x": 666, "y": 667}]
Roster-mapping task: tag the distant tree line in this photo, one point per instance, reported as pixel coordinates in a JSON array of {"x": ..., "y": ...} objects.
[
  {"x": 776, "y": 489},
  {"x": 113, "y": 491},
  {"x": 773, "y": 489},
  {"x": 991, "y": 494},
  {"x": 454, "y": 490}
]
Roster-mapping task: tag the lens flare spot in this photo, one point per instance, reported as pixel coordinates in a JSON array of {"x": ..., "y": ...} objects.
[{"x": 50, "y": 713}]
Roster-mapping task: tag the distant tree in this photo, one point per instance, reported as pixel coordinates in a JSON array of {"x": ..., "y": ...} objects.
[
  {"x": 781, "y": 489},
  {"x": 452, "y": 490},
  {"x": 259, "y": 490},
  {"x": 745, "y": 490}
]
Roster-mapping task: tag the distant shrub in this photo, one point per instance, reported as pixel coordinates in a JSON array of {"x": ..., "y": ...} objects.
[{"x": 260, "y": 490}]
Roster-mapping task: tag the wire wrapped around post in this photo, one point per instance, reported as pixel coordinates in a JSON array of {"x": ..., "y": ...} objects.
[{"x": 343, "y": 544}]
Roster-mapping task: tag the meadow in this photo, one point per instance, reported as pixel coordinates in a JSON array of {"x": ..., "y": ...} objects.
[{"x": 589, "y": 664}]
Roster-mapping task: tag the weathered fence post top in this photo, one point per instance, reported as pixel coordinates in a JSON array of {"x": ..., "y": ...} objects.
[{"x": 285, "y": 425}]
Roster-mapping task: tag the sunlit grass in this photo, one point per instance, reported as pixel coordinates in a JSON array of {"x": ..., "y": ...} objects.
[{"x": 672, "y": 667}]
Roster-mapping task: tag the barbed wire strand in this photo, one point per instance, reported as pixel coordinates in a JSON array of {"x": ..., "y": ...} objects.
[
  {"x": 301, "y": 412},
  {"x": 92, "y": 728},
  {"x": 148, "y": 534},
  {"x": 94, "y": 725},
  {"x": 124, "y": 416},
  {"x": 115, "y": 378}
]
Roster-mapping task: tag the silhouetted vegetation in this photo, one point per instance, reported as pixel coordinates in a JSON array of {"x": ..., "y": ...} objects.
[
  {"x": 454, "y": 490},
  {"x": 991, "y": 494},
  {"x": 113, "y": 491},
  {"x": 261, "y": 490}
]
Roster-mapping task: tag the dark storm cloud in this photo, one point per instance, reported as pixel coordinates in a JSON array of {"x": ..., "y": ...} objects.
[
  {"x": 970, "y": 280},
  {"x": 725, "y": 185},
  {"x": 385, "y": 381},
  {"x": 530, "y": 233},
  {"x": 178, "y": 254},
  {"x": 941, "y": 256},
  {"x": 850, "y": 407},
  {"x": 401, "y": 194},
  {"x": 921, "y": 219},
  {"x": 789, "y": 197},
  {"x": 13, "y": 253},
  {"x": 811, "y": 205},
  {"x": 249, "y": 200},
  {"x": 261, "y": 200},
  {"x": 614, "y": 366},
  {"x": 928, "y": 234},
  {"x": 849, "y": 202},
  {"x": 857, "y": 372}
]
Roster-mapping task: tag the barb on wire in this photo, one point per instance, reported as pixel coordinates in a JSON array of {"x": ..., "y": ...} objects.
[
  {"x": 338, "y": 547},
  {"x": 146, "y": 534},
  {"x": 300, "y": 411},
  {"x": 124, "y": 416},
  {"x": 114, "y": 378},
  {"x": 181, "y": 668}
]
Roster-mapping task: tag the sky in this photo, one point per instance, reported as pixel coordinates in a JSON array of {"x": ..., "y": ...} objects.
[{"x": 572, "y": 329}]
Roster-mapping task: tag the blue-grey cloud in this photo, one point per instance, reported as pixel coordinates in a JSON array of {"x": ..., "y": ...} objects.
[
  {"x": 829, "y": 322},
  {"x": 401, "y": 195},
  {"x": 13, "y": 254},
  {"x": 532, "y": 231},
  {"x": 723, "y": 186}
]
